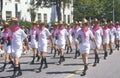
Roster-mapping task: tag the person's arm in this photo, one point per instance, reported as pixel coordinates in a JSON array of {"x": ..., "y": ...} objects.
[{"x": 93, "y": 39}]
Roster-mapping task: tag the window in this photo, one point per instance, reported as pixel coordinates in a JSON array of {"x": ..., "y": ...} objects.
[
  {"x": 19, "y": 15},
  {"x": 45, "y": 18},
  {"x": 8, "y": 15},
  {"x": 64, "y": 18},
  {"x": 17, "y": 0},
  {"x": 68, "y": 18},
  {"x": 39, "y": 16}
]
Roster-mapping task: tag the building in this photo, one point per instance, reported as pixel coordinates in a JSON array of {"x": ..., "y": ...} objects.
[{"x": 21, "y": 10}]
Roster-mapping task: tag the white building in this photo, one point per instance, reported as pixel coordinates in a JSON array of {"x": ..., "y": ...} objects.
[{"x": 21, "y": 8}]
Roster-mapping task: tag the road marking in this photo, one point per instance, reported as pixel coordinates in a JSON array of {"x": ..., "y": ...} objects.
[{"x": 77, "y": 71}]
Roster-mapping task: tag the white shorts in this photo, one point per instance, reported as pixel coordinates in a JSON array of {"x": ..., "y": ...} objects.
[
  {"x": 61, "y": 45},
  {"x": 42, "y": 47},
  {"x": 54, "y": 41},
  {"x": 118, "y": 37},
  {"x": 112, "y": 40},
  {"x": 17, "y": 53},
  {"x": 7, "y": 49},
  {"x": 34, "y": 45},
  {"x": 76, "y": 41},
  {"x": 106, "y": 41},
  {"x": 84, "y": 48},
  {"x": 94, "y": 46}
]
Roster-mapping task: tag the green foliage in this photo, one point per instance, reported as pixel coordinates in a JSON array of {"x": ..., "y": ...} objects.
[
  {"x": 25, "y": 23},
  {"x": 96, "y": 9}
]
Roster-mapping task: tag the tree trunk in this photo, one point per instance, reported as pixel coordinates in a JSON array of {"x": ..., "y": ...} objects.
[{"x": 58, "y": 9}]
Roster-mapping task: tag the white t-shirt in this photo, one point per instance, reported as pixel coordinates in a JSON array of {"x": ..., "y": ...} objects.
[
  {"x": 61, "y": 34},
  {"x": 118, "y": 33},
  {"x": 85, "y": 41},
  {"x": 98, "y": 35},
  {"x": 43, "y": 36},
  {"x": 17, "y": 40},
  {"x": 106, "y": 38},
  {"x": 33, "y": 36},
  {"x": 74, "y": 32},
  {"x": 113, "y": 31}
]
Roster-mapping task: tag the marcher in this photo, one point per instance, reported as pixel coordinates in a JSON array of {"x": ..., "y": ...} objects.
[
  {"x": 42, "y": 37},
  {"x": 113, "y": 36},
  {"x": 17, "y": 37},
  {"x": 106, "y": 39},
  {"x": 117, "y": 35},
  {"x": 61, "y": 34},
  {"x": 7, "y": 45},
  {"x": 84, "y": 35},
  {"x": 98, "y": 34},
  {"x": 75, "y": 30},
  {"x": 69, "y": 44},
  {"x": 54, "y": 40},
  {"x": 34, "y": 43}
]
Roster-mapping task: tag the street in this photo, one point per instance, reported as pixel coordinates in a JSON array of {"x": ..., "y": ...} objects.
[{"x": 71, "y": 68}]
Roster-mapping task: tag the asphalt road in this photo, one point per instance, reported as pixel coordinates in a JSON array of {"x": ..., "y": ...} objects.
[{"x": 71, "y": 68}]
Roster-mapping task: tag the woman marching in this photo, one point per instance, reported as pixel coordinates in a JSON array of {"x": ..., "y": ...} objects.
[
  {"x": 106, "y": 39},
  {"x": 117, "y": 35},
  {"x": 113, "y": 36},
  {"x": 34, "y": 43},
  {"x": 42, "y": 37},
  {"x": 69, "y": 30},
  {"x": 7, "y": 45},
  {"x": 17, "y": 37},
  {"x": 61, "y": 34},
  {"x": 54, "y": 40},
  {"x": 75, "y": 30},
  {"x": 84, "y": 35},
  {"x": 98, "y": 34}
]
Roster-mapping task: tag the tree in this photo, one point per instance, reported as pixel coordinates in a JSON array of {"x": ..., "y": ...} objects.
[
  {"x": 96, "y": 9},
  {"x": 49, "y": 3},
  {"x": 32, "y": 10}
]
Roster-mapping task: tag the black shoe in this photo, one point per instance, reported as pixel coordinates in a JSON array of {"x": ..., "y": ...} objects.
[
  {"x": 63, "y": 58},
  {"x": 83, "y": 73},
  {"x": 105, "y": 55},
  {"x": 38, "y": 58},
  {"x": 85, "y": 68},
  {"x": 75, "y": 57},
  {"x": 111, "y": 51},
  {"x": 19, "y": 74},
  {"x": 94, "y": 64},
  {"x": 39, "y": 70},
  {"x": 67, "y": 52},
  {"x": 2, "y": 69},
  {"x": 14, "y": 72},
  {"x": 98, "y": 60},
  {"x": 45, "y": 67},
  {"x": 32, "y": 62},
  {"x": 59, "y": 63},
  {"x": 12, "y": 66}
]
